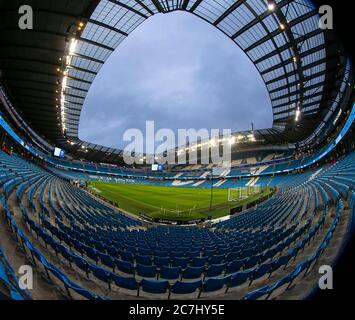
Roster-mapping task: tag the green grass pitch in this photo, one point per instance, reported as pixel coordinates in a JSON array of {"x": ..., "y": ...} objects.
[{"x": 169, "y": 202}]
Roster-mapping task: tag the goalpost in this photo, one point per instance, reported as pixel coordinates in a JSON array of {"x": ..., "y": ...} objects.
[
  {"x": 237, "y": 194},
  {"x": 176, "y": 212}
]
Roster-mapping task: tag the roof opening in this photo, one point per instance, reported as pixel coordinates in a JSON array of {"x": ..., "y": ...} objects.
[{"x": 181, "y": 72}]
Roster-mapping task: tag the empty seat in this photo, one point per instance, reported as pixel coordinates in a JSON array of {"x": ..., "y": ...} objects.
[
  {"x": 146, "y": 271},
  {"x": 113, "y": 252},
  {"x": 193, "y": 272},
  {"x": 262, "y": 270},
  {"x": 215, "y": 270},
  {"x": 238, "y": 279},
  {"x": 216, "y": 259},
  {"x": 125, "y": 266},
  {"x": 161, "y": 261},
  {"x": 213, "y": 284},
  {"x": 199, "y": 262},
  {"x": 180, "y": 262},
  {"x": 81, "y": 264},
  {"x": 145, "y": 260},
  {"x": 126, "y": 256},
  {"x": 107, "y": 261},
  {"x": 251, "y": 262},
  {"x": 172, "y": 273},
  {"x": 101, "y": 274},
  {"x": 181, "y": 287},
  {"x": 235, "y": 266},
  {"x": 125, "y": 282},
  {"x": 162, "y": 254},
  {"x": 257, "y": 293},
  {"x": 155, "y": 286}
]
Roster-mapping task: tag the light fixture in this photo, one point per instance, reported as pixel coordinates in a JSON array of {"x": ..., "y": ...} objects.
[
  {"x": 298, "y": 114},
  {"x": 72, "y": 46},
  {"x": 271, "y": 6},
  {"x": 282, "y": 26},
  {"x": 68, "y": 60}
]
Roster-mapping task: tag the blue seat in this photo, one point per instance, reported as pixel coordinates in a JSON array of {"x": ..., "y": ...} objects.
[
  {"x": 146, "y": 271},
  {"x": 91, "y": 253},
  {"x": 162, "y": 254},
  {"x": 257, "y": 293},
  {"x": 215, "y": 270},
  {"x": 101, "y": 274},
  {"x": 145, "y": 260},
  {"x": 181, "y": 287},
  {"x": 180, "y": 262},
  {"x": 192, "y": 254},
  {"x": 285, "y": 280},
  {"x": 107, "y": 261},
  {"x": 178, "y": 254},
  {"x": 234, "y": 266},
  {"x": 239, "y": 278},
  {"x": 125, "y": 266},
  {"x": 144, "y": 252},
  {"x": 213, "y": 284},
  {"x": 193, "y": 272},
  {"x": 300, "y": 268},
  {"x": 209, "y": 253},
  {"x": 280, "y": 262},
  {"x": 216, "y": 259},
  {"x": 78, "y": 246},
  {"x": 132, "y": 249},
  {"x": 81, "y": 264},
  {"x": 161, "y": 261},
  {"x": 170, "y": 273},
  {"x": 65, "y": 253},
  {"x": 126, "y": 256},
  {"x": 113, "y": 252},
  {"x": 199, "y": 262},
  {"x": 155, "y": 286},
  {"x": 261, "y": 270},
  {"x": 251, "y": 262},
  {"x": 100, "y": 247},
  {"x": 126, "y": 283}
]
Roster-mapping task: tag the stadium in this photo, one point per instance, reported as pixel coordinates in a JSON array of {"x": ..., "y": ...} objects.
[{"x": 77, "y": 222}]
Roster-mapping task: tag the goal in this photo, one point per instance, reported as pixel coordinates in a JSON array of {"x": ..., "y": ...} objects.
[
  {"x": 176, "y": 213},
  {"x": 238, "y": 194}
]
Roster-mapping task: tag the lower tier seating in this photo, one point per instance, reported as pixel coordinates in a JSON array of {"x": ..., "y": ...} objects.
[{"x": 88, "y": 250}]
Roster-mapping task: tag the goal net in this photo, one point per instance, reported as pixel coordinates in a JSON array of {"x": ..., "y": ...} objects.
[
  {"x": 176, "y": 213},
  {"x": 238, "y": 194}
]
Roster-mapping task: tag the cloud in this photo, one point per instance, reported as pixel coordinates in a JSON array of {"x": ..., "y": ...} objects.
[{"x": 180, "y": 72}]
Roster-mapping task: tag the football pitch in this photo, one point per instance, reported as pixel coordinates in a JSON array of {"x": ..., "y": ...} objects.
[{"x": 170, "y": 202}]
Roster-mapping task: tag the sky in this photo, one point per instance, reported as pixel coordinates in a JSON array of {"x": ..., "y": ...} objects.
[{"x": 179, "y": 71}]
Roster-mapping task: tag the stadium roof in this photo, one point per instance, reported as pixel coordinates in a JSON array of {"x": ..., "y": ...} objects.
[{"x": 48, "y": 70}]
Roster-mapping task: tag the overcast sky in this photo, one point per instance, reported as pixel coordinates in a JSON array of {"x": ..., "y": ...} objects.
[{"x": 180, "y": 72}]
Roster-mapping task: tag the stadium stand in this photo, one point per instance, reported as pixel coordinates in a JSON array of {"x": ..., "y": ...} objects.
[{"x": 53, "y": 219}]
